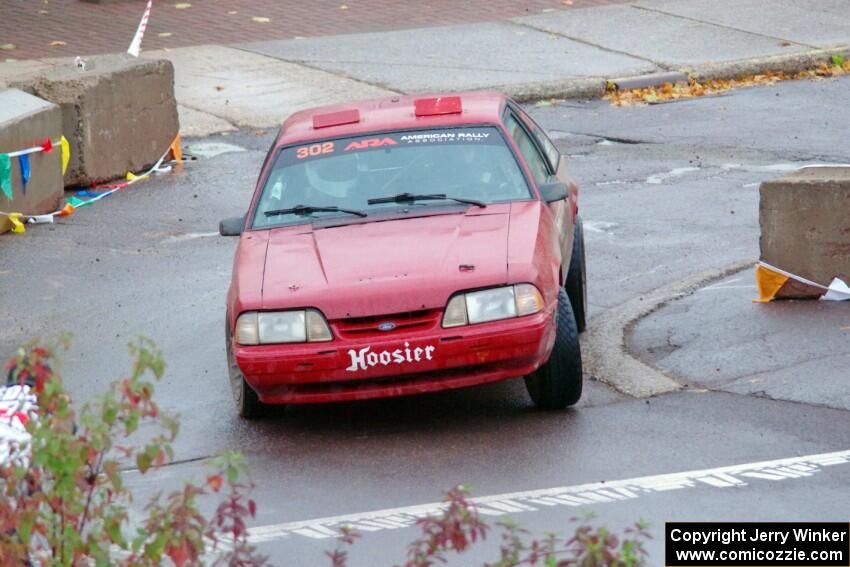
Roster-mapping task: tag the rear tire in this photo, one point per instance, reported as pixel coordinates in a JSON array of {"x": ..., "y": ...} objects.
[
  {"x": 248, "y": 404},
  {"x": 558, "y": 383},
  {"x": 576, "y": 285}
]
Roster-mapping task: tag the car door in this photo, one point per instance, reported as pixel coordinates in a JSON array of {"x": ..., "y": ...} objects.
[{"x": 545, "y": 162}]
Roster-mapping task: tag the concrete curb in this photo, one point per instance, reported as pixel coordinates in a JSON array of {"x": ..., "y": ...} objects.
[
  {"x": 789, "y": 63},
  {"x": 579, "y": 87},
  {"x": 604, "y": 351},
  {"x": 594, "y": 87}
]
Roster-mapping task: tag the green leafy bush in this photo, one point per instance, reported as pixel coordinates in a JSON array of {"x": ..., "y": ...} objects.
[{"x": 64, "y": 500}]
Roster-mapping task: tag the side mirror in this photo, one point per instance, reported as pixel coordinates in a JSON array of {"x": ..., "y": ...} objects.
[
  {"x": 555, "y": 191},
  {"x": 231, "y": 226}
]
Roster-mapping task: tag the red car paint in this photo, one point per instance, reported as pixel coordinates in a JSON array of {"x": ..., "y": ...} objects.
[{"x": 403, "y": 272}]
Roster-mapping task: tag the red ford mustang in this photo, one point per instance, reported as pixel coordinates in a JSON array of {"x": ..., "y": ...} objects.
[{"x": 407, "y": 245}]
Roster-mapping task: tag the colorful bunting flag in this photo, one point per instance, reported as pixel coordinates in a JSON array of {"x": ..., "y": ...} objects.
[
  {"x": 775, "y": 283},
  {"x": 6, "y": 175},
  {"x": 81, "y": 198},
  {"x": 24, "y": 163},
  {"x": 176, "y": 150},
  {"x": 66, "y": 153},
  {"x": 17, "y": 226}
]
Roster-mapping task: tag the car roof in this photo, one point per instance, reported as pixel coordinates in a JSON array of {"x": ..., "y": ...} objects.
[{"x": 392, "y": 113}]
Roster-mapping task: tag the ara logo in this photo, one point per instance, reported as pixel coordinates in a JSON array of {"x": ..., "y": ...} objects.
[
  {"x": 387, "y": 326},
  {"x": 371, "y": 143},
  {"x": 364, "y": 358}
]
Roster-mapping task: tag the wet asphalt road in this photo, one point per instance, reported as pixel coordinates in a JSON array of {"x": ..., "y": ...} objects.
[{"x": 667, "y": 191}]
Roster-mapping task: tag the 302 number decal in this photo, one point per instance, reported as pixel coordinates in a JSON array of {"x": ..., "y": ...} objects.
[{"x": 314, "y": 150}]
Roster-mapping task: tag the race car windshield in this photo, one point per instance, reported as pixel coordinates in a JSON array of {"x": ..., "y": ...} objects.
[{"x": 365, "y": 173}]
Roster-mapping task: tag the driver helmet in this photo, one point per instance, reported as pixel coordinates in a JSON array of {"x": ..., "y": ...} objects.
[{"x": 335, "y": 176}]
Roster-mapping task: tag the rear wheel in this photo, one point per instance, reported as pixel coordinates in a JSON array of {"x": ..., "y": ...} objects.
[
  {"x": 576, "y": 285},
  {"x": 248, "y": 404},
  {"x": 558, "y": 383}
]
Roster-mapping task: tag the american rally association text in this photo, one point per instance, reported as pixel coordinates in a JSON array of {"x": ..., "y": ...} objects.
[{"x": 755, "y": 534}]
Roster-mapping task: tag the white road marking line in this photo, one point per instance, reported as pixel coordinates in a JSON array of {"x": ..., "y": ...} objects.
[
  {"x": 601, "y": 227},
  {"x": 212, "y": 149},
  {"x": 189, "y": 236},
  {"x": 659, "y": 178},
  {"x": 580, "y": 495}
]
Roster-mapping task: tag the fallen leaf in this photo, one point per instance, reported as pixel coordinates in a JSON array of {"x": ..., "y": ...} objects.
[
  {"x": 696, "y": 88},
  {"x": 7, "y": 46},
  {"x": 56, "y": 43},
  {"x": 785, "y": 44},
  {"x": 164, "y": 34},
  {"x": 218, "y": 88},
  {"x": 10, "y": 60},
  {"x": 182, "y": 5},
  {"x": 231, "y": 12},
  {"x": 568, "y": 2},
  {"x": 261, "y": 19},
  {"x": 43, "y": 12},
  {"x": 343, "y": 7}
]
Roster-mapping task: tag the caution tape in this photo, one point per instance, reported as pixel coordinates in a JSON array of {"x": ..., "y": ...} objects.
[{"x": 95, "y": 193}]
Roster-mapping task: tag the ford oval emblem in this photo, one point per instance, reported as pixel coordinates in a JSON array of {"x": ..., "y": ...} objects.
[{"x": 388, "y": 326}]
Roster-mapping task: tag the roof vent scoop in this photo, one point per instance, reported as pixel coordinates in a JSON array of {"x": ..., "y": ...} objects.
[
  {"x": 338, "y": 118},
  {"x": 437, "y": 105}
]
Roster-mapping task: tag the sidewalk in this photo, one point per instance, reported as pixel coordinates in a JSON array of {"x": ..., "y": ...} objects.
[
  {"x": 32, "y": 26},
  {"x": 556, "y": 53}
]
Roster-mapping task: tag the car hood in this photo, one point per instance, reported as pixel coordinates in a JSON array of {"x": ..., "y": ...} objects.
[{"x": 385, "y": 267}]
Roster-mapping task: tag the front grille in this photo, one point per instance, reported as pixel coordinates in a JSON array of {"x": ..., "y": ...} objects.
[{"x": 404, "y": 322}]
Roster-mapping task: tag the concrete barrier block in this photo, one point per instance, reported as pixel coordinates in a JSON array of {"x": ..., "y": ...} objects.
[
  {"x": 119, "y": 114},
  {"x": 25, "y": 121},
  {"x": 805, "y": 223}
]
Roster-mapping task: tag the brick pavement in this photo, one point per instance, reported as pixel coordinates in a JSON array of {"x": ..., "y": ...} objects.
[{"x": 85, "y": 28}]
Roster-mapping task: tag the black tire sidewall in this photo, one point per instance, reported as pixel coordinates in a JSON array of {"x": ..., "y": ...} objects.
[
  {"x": 557, "y": 384},
  {"x": 248, "y": 404},
  {"x": 576, "y": 284}
]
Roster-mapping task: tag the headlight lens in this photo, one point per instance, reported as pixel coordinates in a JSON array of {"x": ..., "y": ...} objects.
[
  {"x": 274, "y": 327},
  {"x": 492, "y": 305},
  {"x": 283, "y": 327}
]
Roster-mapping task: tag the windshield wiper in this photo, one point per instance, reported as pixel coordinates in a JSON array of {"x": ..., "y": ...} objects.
[
  {"x": 410, "y": 198},
  {"x": 308, "y": 209}
]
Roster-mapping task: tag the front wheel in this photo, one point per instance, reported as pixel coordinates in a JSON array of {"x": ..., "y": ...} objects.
[
  {"x": 248, "y": 404},
  {"x": 576, "y": 285},
  {"x": 558, "y": 383}
]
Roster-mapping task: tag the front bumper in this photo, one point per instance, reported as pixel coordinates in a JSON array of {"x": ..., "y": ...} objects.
[{"x": 397, "y": 363}]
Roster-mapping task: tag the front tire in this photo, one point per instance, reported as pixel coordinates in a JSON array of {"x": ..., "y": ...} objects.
[
  {"x": 576, "y": 285},
  {"x": 558, "y": 383},
  {"x": 248, "y": 404}
]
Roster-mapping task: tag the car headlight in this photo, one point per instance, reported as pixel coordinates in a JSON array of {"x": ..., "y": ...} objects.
[
  {"x": 271, "y": 327},
  {"x": 492, "y": 305}
]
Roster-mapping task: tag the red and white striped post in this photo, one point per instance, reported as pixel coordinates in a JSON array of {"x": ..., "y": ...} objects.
[{"x": 136, "y": 44}]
